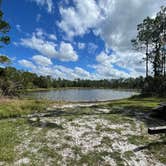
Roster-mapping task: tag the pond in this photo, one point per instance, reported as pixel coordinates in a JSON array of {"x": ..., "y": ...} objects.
[{"x": 81, "y": 95}]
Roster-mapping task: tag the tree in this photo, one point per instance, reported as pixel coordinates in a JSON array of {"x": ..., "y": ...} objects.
[
  {"x": 143, "y": 39},
  {"x": 4, "y": 38},
  {"x": 152, "y": 37},
  {"x": 161, "y": 17},
  {"x": 4, "y": 59}
]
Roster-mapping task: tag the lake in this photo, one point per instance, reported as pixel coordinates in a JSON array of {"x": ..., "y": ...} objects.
[{"x": 82, "y": 95}]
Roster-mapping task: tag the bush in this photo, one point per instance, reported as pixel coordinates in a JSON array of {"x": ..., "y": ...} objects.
[{"x": 155, "y": 86}]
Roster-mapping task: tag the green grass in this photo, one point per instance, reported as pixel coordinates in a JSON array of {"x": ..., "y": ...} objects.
[
  {"x": 158, "y": 150},
  {"x": 138, "y": 102},
  {"x": 19, "y": 107},
  {"x": 9, "y": 139}
]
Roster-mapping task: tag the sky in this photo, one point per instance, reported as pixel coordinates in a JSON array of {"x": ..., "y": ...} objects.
[{"x": 86, "y": 39}]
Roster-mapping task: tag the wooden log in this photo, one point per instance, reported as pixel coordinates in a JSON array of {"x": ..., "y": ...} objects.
[{"x": 157, "y": 130}]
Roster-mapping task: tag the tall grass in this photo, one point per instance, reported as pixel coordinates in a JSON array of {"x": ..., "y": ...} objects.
[{"x": 18, "y": 107}]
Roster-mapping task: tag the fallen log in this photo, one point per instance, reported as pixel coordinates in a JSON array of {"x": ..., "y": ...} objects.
[{"x": 157, "y": 130}]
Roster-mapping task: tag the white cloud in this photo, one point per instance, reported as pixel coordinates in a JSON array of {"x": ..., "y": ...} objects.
[
  {"x": 42, "y": 34},
  {"x": 82, "y": 73},
  {"x": 128, "y": 61},
  {"x": 48, "y": 48},
  {"x": 114, "y": 21},
  {"x": 67, "y": 53},
  {"x": 55, "y": 71},
  {"x": 52, "y": 37},
  {"x": 44, "y": 47},
  {"x": 41, "y": 60},
  {"x": 27, "y": 64},
  {"x": 77, "y": 20},
  {"x": 119, "y": 25},
  {"x": 48, "y": 4},
  {"x": 39, "y": 33}
]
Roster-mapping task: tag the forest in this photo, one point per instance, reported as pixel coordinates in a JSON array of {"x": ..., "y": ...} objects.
[{"x": 13, "y": 80}]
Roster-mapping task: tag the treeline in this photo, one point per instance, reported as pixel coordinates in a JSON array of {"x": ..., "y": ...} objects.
[{"x": 13, "y": 80}]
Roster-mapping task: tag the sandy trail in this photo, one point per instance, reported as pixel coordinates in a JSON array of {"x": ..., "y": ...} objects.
[{"x": 102, "y": 138}]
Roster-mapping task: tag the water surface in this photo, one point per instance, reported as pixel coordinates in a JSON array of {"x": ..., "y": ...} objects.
[{"x": 81, "y": 95}]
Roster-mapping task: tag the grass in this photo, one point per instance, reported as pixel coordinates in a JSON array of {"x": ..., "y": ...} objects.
[
  {"x": 158, "y": 150},
  {"x": 18, "y": 107},
  {"x": 9, "y": 138},
  {"x": 138, "y": 140},
  {"x": 138, "y": 102}
]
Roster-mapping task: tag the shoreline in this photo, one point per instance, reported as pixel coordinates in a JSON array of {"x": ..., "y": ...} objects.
[{"x": 83, "y": 88}]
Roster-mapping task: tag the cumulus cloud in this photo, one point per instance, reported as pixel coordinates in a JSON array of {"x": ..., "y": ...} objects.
[
  {"x": 44, "y": 47},
  {"x": 48, "y": 4},
  {"x": 27, "y": 64},
  {"x": 77, "y": 20},
  {"x": 39, "y": 41},
  {"x": 56, "y": 71},
  {"x": 82, "y": 73},
  {"x": 115, "y": 22},
  {"x": 127, "y": 64},
  {"x": 67, "y": 53},
  {"x": 41, "y": 60}
]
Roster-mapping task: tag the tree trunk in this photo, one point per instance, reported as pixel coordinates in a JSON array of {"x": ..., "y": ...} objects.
[{"x": 147, "y": 59}]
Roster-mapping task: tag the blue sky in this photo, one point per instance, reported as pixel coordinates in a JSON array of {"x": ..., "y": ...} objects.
[{"x": 71, "y": 39}]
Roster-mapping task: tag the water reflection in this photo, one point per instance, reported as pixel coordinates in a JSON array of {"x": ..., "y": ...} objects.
[{"x": 81, "y": 94}]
